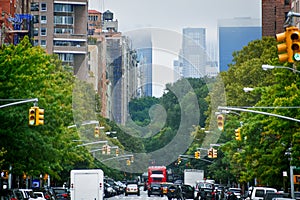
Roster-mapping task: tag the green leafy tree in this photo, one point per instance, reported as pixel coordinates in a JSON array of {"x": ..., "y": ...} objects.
[{"x": 28, "y": 72}]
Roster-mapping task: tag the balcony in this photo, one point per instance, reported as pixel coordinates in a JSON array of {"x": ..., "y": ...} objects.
[{"x": 70, "y": 49}]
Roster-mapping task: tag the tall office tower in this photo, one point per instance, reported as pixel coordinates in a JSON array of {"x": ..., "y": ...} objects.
[
  {"x": 142, "y": 42},
  {"x": 145, "y": 70},
  {"x": 274, "y": 15},
  {"x": 61, "y": 28},
  {"x": 233, "y": 35},
  {"x": 194, "y": 52}
]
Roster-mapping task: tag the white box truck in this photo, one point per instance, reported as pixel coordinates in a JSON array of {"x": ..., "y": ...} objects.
[
  {"x": 87, "y": 184},
  {"x": 191, "y": 176}
]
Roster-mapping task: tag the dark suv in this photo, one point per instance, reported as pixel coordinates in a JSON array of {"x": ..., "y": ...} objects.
[
  {"x": 174, "y": 192},
  {"x": 155, "y": 189}
]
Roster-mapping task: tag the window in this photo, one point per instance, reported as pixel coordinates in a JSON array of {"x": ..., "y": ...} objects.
[
  {"x": 63, "y": 31},
  {"x": 66, "y": 57},
  {"x": 63, "y": 20},
  {"x": 286, "y": 2},
  {"x": 43, "y": 42},
  {"x": 35, "y": 19},
  {"x": 43, "y": 19},
  {"x": 43, "y": 7},
  {"x": 63, "y": 8},
  {"x": 43, "y": 31},
  {"x": 35, "y": 31},
  {"x": 35, "y": 42},
  {"x": 34, "y": 6}
]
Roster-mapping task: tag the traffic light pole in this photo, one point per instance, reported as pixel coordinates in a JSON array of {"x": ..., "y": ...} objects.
[
  {"x": 188, "y": 156},
  {"x": 270, "y": 114},
  {"x": 289, "y": 19},
  {"x": 257, "y": 112},
  {"x": 35, "y": 100}
]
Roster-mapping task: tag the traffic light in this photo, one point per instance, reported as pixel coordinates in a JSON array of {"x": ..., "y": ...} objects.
[
  {"x": 197, "y": 154},
  {"x": 215, "y": 153},
  {"x": 238, "y": 134},
  {"x": 104, "y": 148},
  {"x": 32, "y": 116},
  {"x": 128, "y": 162},
  {"x": 117, "y": 151},
  {"x": 108, "y": 149},
  {"x": 210, "y": 153},
  {"x": 97, "y": 131},
  {"x": 289, "y": 49},
  {"x": 179, "y": 160},
  {"x": 295, "y": 37},
  {"x": 39, "y": 119},
  {"x": 220, "y": 121},
  {"x": 4, "y": 174}
]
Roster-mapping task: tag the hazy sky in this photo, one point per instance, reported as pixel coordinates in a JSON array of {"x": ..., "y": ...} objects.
[
  {"x": 176, "y": 14},
  {"x": 172, "y": 16}
]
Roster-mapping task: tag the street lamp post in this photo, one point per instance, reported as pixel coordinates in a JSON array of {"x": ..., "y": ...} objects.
[{"x": 267, "y": 67}]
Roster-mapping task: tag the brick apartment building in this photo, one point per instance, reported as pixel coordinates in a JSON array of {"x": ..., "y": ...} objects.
[{"x": 274, "y": 15}]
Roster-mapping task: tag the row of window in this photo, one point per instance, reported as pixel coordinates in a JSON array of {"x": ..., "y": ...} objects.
[
  {"x": 36, "y": 6},
  {"x": 43, "y": 31}
]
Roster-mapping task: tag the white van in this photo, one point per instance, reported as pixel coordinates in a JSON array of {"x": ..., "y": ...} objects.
[
  {"x": 87, "y": 184},
  {"x": 258, "y": 193},
  {"x": 27, "y": 194}
]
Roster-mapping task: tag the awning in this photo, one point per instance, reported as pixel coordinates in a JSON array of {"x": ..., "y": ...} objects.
[{"x": 157, "y": 176}]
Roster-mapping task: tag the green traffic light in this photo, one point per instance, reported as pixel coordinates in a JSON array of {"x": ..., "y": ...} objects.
[{"x": 297, "y": 56}]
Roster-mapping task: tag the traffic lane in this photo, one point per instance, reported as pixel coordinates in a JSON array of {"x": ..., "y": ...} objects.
[{"x": 143, "y": 195}]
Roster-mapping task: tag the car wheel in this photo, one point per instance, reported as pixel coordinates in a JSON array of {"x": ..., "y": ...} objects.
[{"x": 126, "y": 194}]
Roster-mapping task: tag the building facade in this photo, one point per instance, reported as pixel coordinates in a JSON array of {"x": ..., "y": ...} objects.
[
  {"x": 194, "y": 56},
  {"x": 233, "y": 34},
  {"x": 274, "y": 15},
  {"x": 113, "y": 67},
  {"x": 61, "y": 28}
]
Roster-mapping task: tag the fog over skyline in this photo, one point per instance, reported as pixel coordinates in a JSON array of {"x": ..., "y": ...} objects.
[{"x": 168, "y": 18}]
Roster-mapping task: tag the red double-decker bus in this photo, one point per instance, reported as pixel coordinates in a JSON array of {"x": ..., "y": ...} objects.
[{"x": 157, "y": 174}]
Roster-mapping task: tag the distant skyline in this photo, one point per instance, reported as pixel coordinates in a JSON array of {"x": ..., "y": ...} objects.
[
  {"x": 176, "y": 14},
  {"x": 168, "y": 18}
]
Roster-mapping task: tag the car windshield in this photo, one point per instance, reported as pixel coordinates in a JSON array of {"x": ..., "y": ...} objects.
[
  {"x": 235, "y": 190},
  {"x": 155, "y": 185},
  {"x": 132, "y": 185}
]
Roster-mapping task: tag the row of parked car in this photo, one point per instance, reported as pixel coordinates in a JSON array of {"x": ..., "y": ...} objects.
[
  {"x": 55, "y": 193},
  {"x": 126, "y": 187}
]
